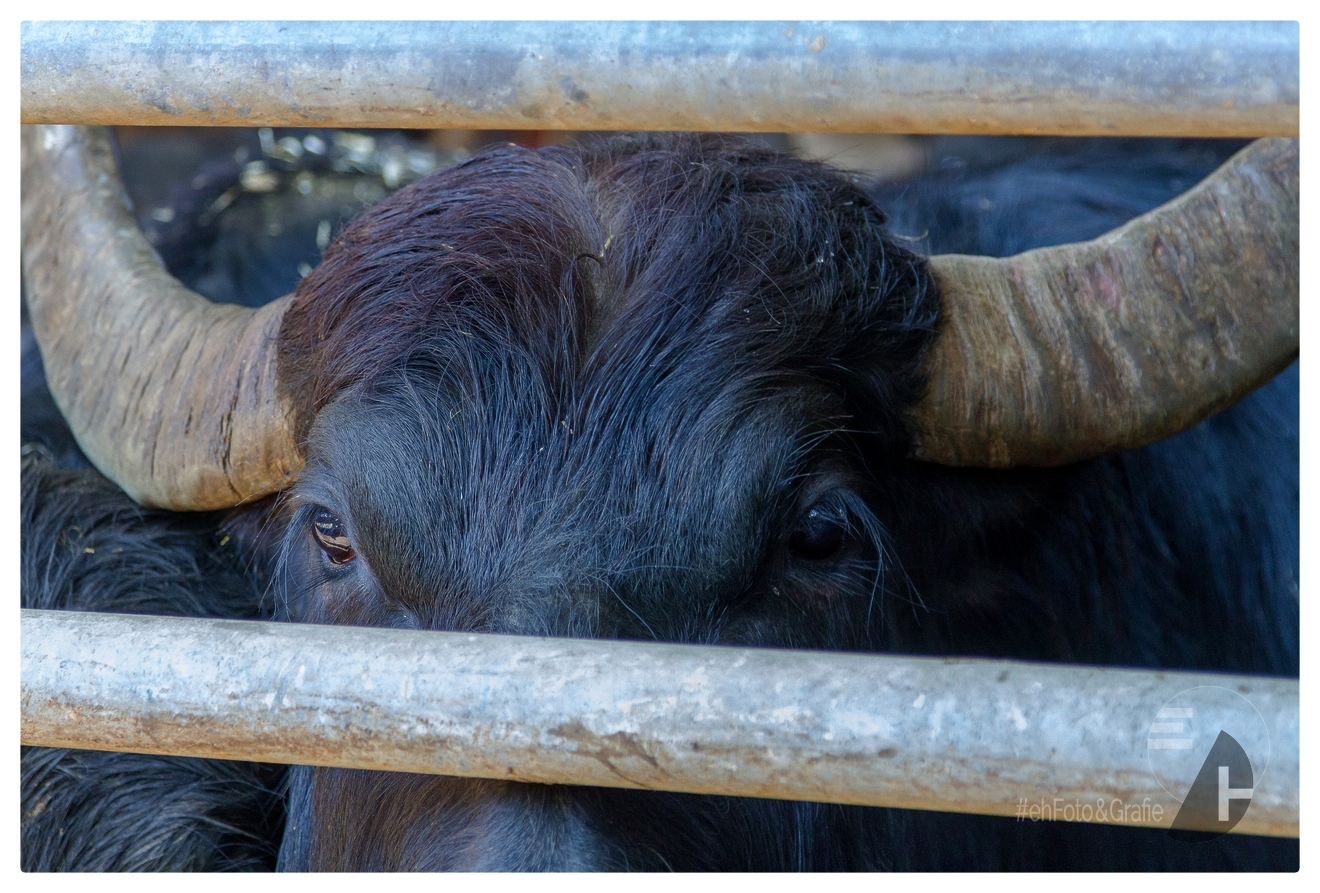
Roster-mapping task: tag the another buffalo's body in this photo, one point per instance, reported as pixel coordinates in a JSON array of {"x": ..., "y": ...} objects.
[{"x": 659, "y": 388}]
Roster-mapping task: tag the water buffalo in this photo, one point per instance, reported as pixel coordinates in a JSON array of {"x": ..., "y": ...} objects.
[{"x": 680, "y": 388}]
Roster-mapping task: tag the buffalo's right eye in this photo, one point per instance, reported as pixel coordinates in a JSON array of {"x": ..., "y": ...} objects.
[
  {"x": 330, "y": 536},
  {"x": 819, "y": 536}
]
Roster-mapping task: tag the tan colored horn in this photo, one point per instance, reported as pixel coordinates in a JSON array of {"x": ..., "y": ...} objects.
[
  {"x": 169, "y": 395},
  {"x": 1063, "y": 353}
]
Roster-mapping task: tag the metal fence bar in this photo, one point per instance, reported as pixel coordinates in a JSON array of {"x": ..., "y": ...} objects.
[
  {"x": 958, "y": 735},
  {"x": 1073, "y": 78}
]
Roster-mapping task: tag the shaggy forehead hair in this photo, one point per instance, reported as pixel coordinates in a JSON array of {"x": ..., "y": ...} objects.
[{"x": 641, "y": 253}]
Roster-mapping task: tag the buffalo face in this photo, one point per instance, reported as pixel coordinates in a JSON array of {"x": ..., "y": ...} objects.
[{"x": 638, "y": 393}]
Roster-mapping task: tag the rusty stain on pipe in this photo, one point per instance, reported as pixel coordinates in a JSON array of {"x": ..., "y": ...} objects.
[
  {"x": 1063, "y": 78},
  {"x": 960, "y": 735}
]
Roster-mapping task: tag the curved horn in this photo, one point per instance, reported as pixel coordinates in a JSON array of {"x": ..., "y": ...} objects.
[
  {"x": 1063, "y": 353},
  {"x": 169, "y": 395}
]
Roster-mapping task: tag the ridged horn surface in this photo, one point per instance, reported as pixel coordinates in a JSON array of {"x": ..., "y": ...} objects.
[
  {"x": 169, "y": 395},
  {"x": 1063, "y": 353}
]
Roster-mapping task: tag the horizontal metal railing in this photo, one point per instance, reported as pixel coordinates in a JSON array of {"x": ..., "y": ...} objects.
[
  {"x": 1074, "y": 78},
  {"x": 959, "y": 735}
]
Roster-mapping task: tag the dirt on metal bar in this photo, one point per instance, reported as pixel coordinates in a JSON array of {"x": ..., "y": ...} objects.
[
  {"x": 959, "y": 735},
  {"x": 1197, "y": 79}
]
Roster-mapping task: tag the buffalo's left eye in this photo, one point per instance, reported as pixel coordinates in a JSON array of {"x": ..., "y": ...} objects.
[
  {"x": 330, "y": 536},
  {"x": 819, "y": 536}
]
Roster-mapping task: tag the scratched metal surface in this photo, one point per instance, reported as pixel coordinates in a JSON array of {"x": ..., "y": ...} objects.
[
  {"x": 944, "y": 734},
  {"x": 1061, "y": 78}
]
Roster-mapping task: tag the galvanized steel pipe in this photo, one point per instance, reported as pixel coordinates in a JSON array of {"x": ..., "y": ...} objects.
[
  {"x": 960, "y": 735},
  {"x": 1073, "y": 78}
]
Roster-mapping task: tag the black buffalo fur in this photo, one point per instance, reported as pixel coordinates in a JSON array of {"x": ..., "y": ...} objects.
[
  {"x": 87, "y": 547},
  {"x": 656, "y": 388}
]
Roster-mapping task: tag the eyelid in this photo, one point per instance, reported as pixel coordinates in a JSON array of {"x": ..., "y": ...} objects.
[
  {"x": 328, "y": 530},
  {"x": 825, "y": 480},
  {"x": 831, "y": 503}
]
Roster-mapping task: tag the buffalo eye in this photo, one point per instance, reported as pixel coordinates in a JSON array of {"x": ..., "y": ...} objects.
[
  {"x": 330, "y": 536},
  {"x": 819, "y": 536}
]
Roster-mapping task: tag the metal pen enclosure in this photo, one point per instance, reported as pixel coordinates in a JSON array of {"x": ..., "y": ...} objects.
[{"x": 957, "y": 735}]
